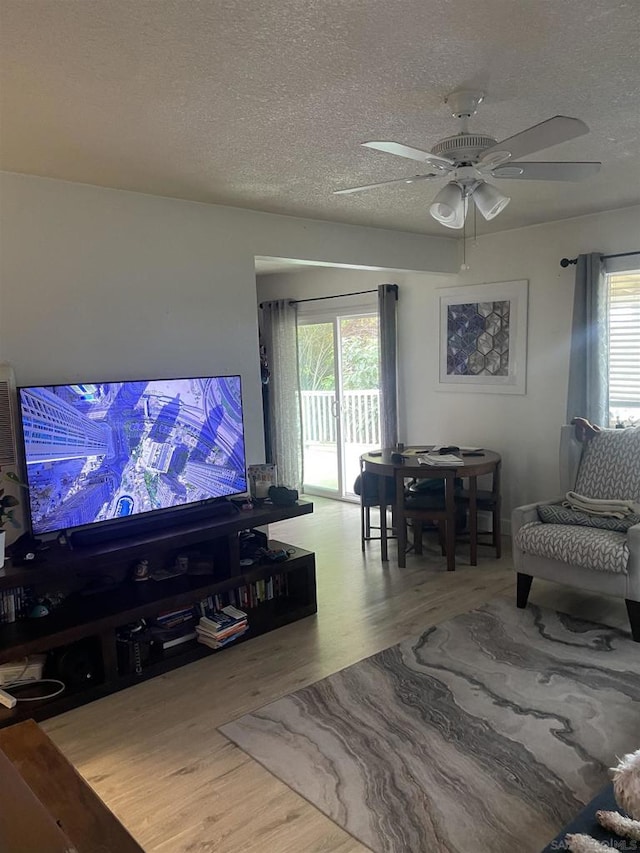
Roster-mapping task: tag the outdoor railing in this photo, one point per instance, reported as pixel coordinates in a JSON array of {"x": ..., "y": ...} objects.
[{"x": 360, "y": 417}]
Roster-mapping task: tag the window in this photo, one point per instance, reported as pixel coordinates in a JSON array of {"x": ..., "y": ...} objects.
[{"x": 624, "y": 348}]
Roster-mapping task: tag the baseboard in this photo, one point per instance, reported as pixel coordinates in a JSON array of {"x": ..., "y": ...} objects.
[{"x": 485, "y": 522}]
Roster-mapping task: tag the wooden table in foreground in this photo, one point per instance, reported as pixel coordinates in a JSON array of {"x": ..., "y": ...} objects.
[
  {"x": 408, "y": 467},
  {"x": 45, "y": 805}
]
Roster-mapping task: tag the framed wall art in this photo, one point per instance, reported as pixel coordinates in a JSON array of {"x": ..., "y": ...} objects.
[{"x": 483, "y": 338}]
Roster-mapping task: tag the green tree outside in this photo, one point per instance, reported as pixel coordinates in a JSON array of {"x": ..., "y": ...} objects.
[{"x": 359, "y": 338}]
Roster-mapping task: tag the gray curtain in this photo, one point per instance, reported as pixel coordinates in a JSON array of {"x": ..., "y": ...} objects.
[
  {"x": 280, "y": 335},
  {"x": 588, "y": 392},
  {"x": 387, "y": 323}
]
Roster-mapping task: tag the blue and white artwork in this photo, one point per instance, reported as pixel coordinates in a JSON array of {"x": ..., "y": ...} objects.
[
  {"x": 483, "y": 338},
  {"x": 478, "y": 339}
]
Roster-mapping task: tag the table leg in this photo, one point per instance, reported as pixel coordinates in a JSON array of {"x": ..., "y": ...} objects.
[
  {"x": 382, "y": 497},
  {"x": 497, "y": 532},
  {"x": 473, "y": 520},
  {"x": 449, "y": 487}
]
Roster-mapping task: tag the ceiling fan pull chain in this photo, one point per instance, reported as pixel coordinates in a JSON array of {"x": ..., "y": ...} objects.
[{"x": 464, "y": 245}]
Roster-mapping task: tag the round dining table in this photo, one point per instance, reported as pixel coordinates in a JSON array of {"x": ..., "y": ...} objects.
[{"x": 405, "y": 464}]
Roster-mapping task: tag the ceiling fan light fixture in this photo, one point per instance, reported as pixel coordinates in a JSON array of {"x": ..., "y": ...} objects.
[
  {"x": 449, "y": 207},
  {"x": 489, "y": 201}
]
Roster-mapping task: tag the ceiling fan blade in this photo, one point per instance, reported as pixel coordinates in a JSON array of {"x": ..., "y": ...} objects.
[
  {"x": 385, "y": 183},
  {"x": 544, "y": 135},
  {"x": 546, "y": 171},
  {"x": 411, "y": 153}
]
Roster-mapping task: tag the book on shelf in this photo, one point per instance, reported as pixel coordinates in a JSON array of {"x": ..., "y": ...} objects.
[
  {"x": 216, "y": 641},
  {"x": 245, "y": 596},
  {"x": 221, "y": 619},
  {"x": 15, "y": 604},
  {"x": 162, "y": 635},
  {"x": 216, "y": 628},
  {"x": 175, "y": 618},
  {"x": 177, "y": 641},
  {"x": 202, "y": 631},
  {"x": 233, "y": 613},
  {"x": 218, "y": 644}
]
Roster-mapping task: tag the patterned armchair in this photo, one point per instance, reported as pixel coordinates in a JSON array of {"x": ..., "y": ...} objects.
[{"x": 565, "y": 547}]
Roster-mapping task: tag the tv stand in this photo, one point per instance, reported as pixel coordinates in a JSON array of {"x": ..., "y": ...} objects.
[
  {"x": 92, "y": 628},
  {"x": 128, "y": 528}
]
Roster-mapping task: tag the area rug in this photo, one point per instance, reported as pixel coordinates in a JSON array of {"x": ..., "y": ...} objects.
[{"x": 487, "y": 733}]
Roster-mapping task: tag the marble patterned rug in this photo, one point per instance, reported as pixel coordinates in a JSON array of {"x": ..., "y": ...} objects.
[{"x": 488, "y": 733}]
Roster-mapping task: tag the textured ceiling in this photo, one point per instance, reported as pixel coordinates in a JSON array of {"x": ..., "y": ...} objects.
[{"x": 263, "y": 105}]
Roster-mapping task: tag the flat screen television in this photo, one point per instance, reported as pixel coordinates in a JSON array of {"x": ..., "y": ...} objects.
[{"x": 104, "y": 451}]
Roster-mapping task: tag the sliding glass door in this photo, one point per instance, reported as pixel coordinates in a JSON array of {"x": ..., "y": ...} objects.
[{"x": 338, "y": 364}]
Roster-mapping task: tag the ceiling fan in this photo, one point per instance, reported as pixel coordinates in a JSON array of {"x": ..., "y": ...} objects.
[{"x": 469, "y": 158}]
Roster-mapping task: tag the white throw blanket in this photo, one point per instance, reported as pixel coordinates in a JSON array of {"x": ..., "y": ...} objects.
[{"x": 607, "y": 509}]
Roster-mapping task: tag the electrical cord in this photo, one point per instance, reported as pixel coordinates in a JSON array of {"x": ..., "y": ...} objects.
[{"x": 19, "y": 682}]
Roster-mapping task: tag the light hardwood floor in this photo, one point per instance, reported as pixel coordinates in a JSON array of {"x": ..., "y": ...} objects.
[{"x": 153, "y": 752}]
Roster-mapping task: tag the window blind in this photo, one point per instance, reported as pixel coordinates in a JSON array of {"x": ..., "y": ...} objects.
[{"x": 624, "y": 340}]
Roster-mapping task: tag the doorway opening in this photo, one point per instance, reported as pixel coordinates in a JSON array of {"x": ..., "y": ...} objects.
[{"x": 338, "y": 356}]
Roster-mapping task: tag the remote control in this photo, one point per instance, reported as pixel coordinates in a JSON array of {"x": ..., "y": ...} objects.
[{"x": 7, "y": 700}]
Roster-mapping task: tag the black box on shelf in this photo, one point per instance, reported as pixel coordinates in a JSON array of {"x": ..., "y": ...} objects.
[
  {"x": 133, "y": 647},
  {"x": 78, "y": 664},
  {"x": 251, "y": 541}
]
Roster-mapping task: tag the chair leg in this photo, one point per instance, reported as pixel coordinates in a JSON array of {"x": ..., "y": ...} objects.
[
  {"x": 362, "y": 525},
  {"x": 450, "y": 529},
  {"x": 633, "y": 611},
  {"x": 497, "y": 532},
  {"x": 417, "y": 536},
  {"x": 441, "y": 538},
  {"x": 524, "y": 585}
]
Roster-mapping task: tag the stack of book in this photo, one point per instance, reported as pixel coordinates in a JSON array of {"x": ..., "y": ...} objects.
[
  {"x": 174, "y": 627},
  {"x": 444, "y": 460},
  {"x": 218, "y": 628}
]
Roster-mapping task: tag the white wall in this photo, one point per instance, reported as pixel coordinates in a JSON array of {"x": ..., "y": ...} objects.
[
  {"x": 526, "y": 428},
  {"x": 523, "y": 428},
  {"x": 416, "y": 293},
  {"x": 104, "y": 284}
]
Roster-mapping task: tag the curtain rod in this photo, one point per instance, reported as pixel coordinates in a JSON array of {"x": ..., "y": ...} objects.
[
  {"x": 337, "y": 296},
  {"x": 340, "y": 295},
  {"x": 566, "y": 261}
]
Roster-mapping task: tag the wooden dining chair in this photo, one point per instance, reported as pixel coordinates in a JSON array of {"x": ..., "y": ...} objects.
[
  {"x": 367, "y": 486},
  {"x": 487, "y": 500},
  {"x": 436, "y": 509},
  {"x": 428, "y": 495}
]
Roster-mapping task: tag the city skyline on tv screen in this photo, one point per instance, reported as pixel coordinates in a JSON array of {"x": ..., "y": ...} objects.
[{"x": 102, "y": 451}]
